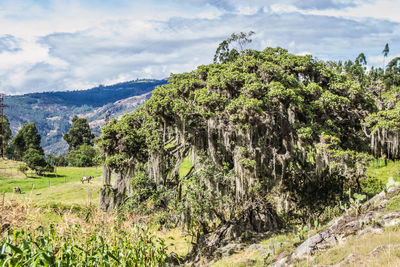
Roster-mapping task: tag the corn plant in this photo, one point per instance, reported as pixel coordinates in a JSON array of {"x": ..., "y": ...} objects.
[{"x": 79, "y": 248}]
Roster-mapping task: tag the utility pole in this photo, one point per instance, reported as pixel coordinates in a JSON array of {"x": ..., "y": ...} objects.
[{"x": 2, "y": 106}]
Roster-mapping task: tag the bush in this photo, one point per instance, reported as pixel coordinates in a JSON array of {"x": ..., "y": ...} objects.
[
  {"x": 85, "y": 156},
  {"x": 372, "y": 186},
  {"x": 36, "y": 161},
  {"x": 143, "y": 189}
]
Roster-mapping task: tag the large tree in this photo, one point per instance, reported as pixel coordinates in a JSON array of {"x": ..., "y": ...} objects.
[
  {"x": 266, "y": 130},
  {"x": 79, "y": 134},
  {"x": 27, "y": 137}
]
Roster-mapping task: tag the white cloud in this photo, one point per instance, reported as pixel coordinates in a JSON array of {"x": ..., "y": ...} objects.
[{"x": 75, "y": 44}]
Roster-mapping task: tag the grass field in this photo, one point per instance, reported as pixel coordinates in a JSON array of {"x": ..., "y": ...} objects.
[
  {"x": 11, "y": 177},
  {"x": 61, "y": 188}
]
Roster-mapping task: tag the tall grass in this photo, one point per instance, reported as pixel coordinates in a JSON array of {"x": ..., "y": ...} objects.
[
  {"x": 85, "y": 238},
  {"x": 76, "y": 247}
]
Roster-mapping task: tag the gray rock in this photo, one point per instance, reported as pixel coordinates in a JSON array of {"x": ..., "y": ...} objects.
[
  {"x": 370, "y": 229},
  {"x": 390, "y": 219}
]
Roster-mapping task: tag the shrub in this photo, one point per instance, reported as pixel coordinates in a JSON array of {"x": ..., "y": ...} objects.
[
  {"x": 23, "y": 168},
  {"x": 36, "y": 161},
  {"x": 372, "y": 186},
  {"x": 85, "y": 156}
]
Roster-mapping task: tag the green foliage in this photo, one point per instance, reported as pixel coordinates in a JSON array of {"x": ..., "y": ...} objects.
[
  {"x": 301, "y": 234},
  {"x": 79, "y": 134},
  {"x": 84, "y": 156},
  {"x": 26, "y": 138},
  {"x": 393, "y": 204},
  {"x": 372, "y": 186},
  {"x": 35, "y": 160},
  {"x": 48, "y": 248},
  {"x": 128, "y": 139},
  {"x": 59, "y": 160},
  {"x": 143, "y": 189}
]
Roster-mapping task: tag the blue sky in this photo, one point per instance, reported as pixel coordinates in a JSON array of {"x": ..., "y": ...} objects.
[{"x": 52, "y": 45}]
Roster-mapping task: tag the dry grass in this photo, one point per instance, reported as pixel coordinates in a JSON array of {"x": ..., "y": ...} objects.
[
  {"x": 177, "y": 241},
  {"x": 362, "y": 247},
  {"x": 26, "y": 216}
]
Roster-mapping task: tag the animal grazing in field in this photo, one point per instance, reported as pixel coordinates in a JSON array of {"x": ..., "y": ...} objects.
[
  {"x": 86, "y": 178},
  {"x": 17, "y": 190}
]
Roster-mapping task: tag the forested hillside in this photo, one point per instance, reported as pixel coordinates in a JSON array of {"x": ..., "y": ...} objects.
[
  {"x": 271, "y": 137},
  {"x": 53, "y": 111}
]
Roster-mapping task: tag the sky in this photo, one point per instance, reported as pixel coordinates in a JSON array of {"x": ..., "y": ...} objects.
[{"x": 56, "y": 45}]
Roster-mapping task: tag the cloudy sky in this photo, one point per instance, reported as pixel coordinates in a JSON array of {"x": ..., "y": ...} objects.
[{"x": 52, "y": 45}]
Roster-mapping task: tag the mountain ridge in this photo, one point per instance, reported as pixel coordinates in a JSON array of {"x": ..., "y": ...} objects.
[{"x": 52, "y": 112}]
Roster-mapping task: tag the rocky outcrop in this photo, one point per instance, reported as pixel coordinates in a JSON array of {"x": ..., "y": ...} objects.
[{"x": 371, "y": 217}]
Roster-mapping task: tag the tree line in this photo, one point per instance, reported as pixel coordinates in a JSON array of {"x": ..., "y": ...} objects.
[{"x": 26, "y": 146}]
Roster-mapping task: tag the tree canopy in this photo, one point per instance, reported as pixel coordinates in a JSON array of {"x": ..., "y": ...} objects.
[
  {"x": 27, "y": 137},
  {"x": 79, "y": 134}
]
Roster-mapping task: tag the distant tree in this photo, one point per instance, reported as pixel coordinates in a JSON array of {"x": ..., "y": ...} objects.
[
  {"x": 79, "y": 134},
  {"x": 224, "y": 51},
  {"x": 27, "y": 137},
  {"x": 361, "y": 59},
  {"x": 392, "y": 75},
  {"x": 5, "y": 138},
  {"x": 57, "y": 161},
  {"x": 35, "y": 160},
  {"x": 385, "y": 53},
  {"x": 85, "y": 156}
]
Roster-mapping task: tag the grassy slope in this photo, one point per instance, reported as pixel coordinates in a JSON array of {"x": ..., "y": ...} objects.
[
  {"x": 361, "y": 247},
  {"x": 10, "y": 177},
  {"x": 379, "y": 170},
  {"x": 65, "y": 186}
]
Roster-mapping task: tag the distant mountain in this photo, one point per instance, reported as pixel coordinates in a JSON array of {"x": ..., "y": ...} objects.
[{"x": 52, "y": 112}]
